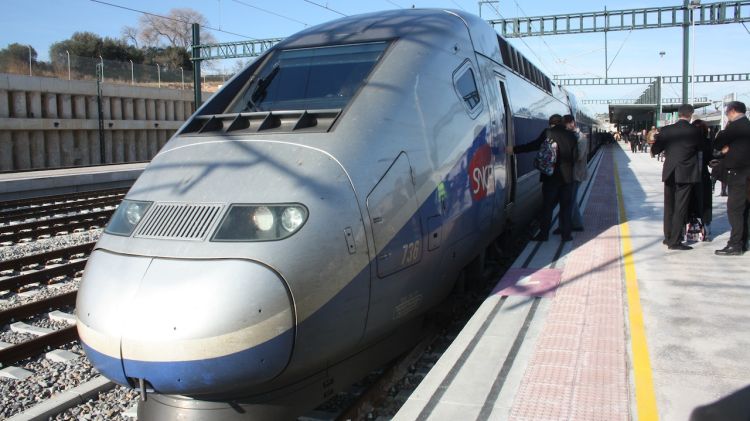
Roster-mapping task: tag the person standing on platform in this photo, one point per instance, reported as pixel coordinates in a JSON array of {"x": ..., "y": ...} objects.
[
  {"x": 558, "y": 187},
  {"x": 681, "y": 143},
  {"x": 734, "y": 142},
  {"x": 633, "y": 136},
  {"x": 580, "y": 171}
]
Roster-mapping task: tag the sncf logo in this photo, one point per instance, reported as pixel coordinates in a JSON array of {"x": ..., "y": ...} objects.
[{"x": 480, "y": 173}]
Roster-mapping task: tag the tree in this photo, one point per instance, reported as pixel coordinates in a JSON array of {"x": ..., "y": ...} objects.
[
  {"x": 15, "y": 58},
  {"x": 168, "y": 58},
  {"x": 175, "y": 30},
  {"x": 16, "y": 52},
  {"x": 89, "y": 44},
  {"x": 129, "y": 34}
]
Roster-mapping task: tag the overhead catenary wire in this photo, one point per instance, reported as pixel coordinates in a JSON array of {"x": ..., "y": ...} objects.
[
  {"x": 541, "y": 38},
  {"x": 395, "y": 4},
  {"x": 270, "y": 12},
  {"x": 620, "y": 49},
  {"x": 168, "y": 18},
  {"x": 459, "y": 6},
  {"x": 325, "y": 7}
]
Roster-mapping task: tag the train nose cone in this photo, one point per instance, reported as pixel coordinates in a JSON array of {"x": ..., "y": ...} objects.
[{"x": 185, "y": 326}]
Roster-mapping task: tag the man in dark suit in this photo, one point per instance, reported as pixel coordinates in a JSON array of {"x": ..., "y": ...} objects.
[
  {"x": 558, "y": 187},
  {"x": 734, "y": 142},
  {"x": 680, "y": 142}
]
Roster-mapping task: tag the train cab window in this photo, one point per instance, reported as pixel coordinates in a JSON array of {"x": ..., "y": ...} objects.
[
  {"x": 309, "y": 78},
  {"x": 466, "y": 88}
]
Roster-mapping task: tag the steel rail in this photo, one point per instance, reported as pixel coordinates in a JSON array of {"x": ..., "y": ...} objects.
[
  {"x": 42, "y": 258},
  {"x": 51, "y": 226},
  {"x": 59, "y": 209},
  {"x": 36, "y": 346},
  {"x": 37, "y": 307},
  {"x": 43, "y": 275},
  {"x": 6, "y": 205}
]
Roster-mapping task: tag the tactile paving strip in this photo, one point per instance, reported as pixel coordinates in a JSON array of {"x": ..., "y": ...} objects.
[{"x": 579, "y": 367}]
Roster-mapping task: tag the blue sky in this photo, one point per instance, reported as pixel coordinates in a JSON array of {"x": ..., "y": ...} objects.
[{"x": 719, "y": 49}]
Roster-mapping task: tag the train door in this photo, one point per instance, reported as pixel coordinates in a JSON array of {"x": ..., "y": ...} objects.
[
  {"x": 510, "y": 160},
  {"x": 504, "y": 168}
]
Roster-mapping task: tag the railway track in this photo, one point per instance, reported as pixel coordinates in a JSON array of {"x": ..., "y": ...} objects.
[
  {"x": 32, "y": 219},
  {"x": 72, "y": 261},
  {"x": 54, "y": 226},
  {"x": 44, "y": 202},
  {"x": 59, "y": 209},
  {"x": 41, "y": 276}
]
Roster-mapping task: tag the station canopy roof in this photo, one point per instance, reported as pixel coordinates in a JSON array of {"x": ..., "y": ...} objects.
[{"x": 618, "y": 114}]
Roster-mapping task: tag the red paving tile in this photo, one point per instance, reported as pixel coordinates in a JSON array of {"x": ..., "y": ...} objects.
[
  {"x": 533, "y": 282},
  {"x": 579, "y": 368},
  {"x": 556, "y": 357}
]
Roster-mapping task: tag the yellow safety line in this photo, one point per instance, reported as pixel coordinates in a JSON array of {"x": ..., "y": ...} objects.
[{"x": 645, "y": 397}]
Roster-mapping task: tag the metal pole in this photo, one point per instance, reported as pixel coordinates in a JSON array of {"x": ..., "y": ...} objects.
[
  {"x": 29, "y": 60},
  {"x": 196, "y": 65},
  {"x": 658, "y": 101},
  {"x": 606, "y": 60},
  {"x": 102, "y": 61},
  {"x": 685, "y": 50},
  {"x": 102, "y": 154},
  {"x": 132, "y": 73},
  {"x": 158, "y": 73},
  {"x": 68, "y": 53},
  {"x": 182, "y": 75},
  {"x": 692, "y": 71}
]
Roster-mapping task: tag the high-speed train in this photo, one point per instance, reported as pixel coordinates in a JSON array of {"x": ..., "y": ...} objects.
[{"x": 292, "y": 234}]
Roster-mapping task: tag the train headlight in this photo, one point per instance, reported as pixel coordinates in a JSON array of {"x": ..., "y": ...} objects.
[
  {"x": 263, "y": 218},
  {"x": 292, "y": 218},
  {"x": 126, "y": 217},
  {"x": 261, "y": 222}
]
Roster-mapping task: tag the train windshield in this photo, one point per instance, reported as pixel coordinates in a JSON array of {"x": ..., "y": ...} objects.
[{"x": 309, "y": 78}]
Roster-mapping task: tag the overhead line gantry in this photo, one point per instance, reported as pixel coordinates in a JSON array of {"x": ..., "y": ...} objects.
[{"x": 690, "y": 13}]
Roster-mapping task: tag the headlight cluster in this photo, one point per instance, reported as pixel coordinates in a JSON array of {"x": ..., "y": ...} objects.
[
  {"x": 260, "y": 222},
  {"x": 127, "y": 216}
]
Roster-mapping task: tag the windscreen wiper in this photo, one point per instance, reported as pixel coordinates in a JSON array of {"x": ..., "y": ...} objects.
[{"x": 259, "y": 94}]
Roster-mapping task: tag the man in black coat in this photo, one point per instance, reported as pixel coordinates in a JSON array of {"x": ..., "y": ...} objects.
[
  {"x": 558, "y": 187},
  {"x": 734, "y": 141},
  {"x": 681, "y": 143}
]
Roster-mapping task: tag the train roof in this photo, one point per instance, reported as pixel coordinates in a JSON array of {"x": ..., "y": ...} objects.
[{"x": 405, "y": 23}]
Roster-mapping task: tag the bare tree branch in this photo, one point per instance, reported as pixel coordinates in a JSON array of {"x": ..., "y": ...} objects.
[{"x": 176, "y": 31}]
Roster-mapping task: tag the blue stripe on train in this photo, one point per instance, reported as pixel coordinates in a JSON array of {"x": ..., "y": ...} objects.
[{"x": 248, "y": 367}]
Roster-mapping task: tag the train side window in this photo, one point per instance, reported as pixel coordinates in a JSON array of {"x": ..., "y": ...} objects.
[
  {"x": 504, "y": 51},
  {"x": 466, "y": 88}
]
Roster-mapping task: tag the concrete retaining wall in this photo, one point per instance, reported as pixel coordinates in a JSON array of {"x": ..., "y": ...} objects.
[{"x": 52, "y": 123}]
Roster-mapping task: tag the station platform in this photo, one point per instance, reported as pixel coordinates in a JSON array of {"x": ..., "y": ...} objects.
[
  {"x": 27, "y": 184},
  {"x": 610, "y": 326}
]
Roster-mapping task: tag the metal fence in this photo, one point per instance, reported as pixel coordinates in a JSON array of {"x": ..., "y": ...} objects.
[{"x": 123, "y": 72}]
